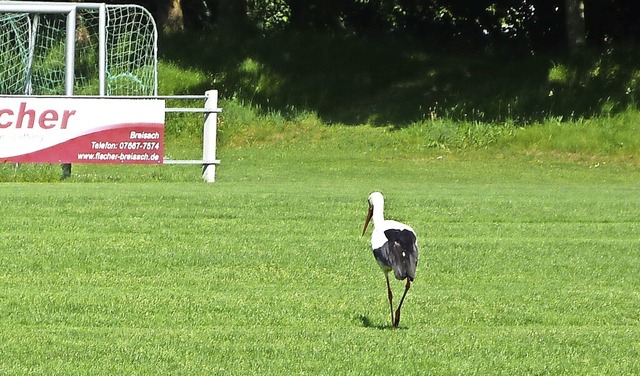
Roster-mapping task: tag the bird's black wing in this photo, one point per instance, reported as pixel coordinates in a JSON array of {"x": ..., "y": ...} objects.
[{"x": 403, "y": 253}]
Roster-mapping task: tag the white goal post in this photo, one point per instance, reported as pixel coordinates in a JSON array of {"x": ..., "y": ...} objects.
[{"x": 55, "y": 48}]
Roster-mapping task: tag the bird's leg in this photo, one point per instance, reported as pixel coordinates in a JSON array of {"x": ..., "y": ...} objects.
[
  {"x": 390, "y": 295},
  {"x": 406, "y": 288}
]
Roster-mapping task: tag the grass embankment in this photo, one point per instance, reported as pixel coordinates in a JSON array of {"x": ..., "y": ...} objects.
[
  {"x": 396, "y": 97},
  {"x": 285, "y": 90}
]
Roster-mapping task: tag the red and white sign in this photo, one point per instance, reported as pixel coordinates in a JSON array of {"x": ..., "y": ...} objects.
[{"x": 81, "y": 130}]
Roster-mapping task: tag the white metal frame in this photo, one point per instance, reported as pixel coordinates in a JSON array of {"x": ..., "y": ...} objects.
[
  {"x": 210, "y": 131},
  {"x": 71, "y": 10}
]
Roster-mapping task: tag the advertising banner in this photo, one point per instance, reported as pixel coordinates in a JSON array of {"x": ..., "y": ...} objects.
[{"x": 81, "y": 130}]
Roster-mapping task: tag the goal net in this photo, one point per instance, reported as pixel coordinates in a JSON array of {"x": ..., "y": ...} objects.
[{"x": 114, "y": 49}]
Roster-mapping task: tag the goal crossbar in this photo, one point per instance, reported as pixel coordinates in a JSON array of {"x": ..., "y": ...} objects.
[{"x": 45, "y": 7}]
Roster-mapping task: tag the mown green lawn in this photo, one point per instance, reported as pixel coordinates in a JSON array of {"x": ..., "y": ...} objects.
[{"x": 528, "y": 265}]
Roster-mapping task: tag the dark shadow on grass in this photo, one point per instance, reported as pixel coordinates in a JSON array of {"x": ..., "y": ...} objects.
[
  {"x": 386, "y": 81},
  {"x": 367, "y": 323}
]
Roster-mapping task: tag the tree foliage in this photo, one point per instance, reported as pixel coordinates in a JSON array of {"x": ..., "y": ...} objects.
[{"x": 531, "y": 24}]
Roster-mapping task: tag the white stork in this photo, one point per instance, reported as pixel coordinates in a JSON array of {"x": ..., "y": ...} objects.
[{"x": 395, "y": 247}]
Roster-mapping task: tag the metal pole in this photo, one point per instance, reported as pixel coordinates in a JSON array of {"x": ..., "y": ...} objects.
[
  {"x": 70, "y": 52},
  {"x": 69, "y": 76},
  {"x": 209, "y": 136},
  {"x": 102, "y": 48},
  {"x": 28, "y": 90}
]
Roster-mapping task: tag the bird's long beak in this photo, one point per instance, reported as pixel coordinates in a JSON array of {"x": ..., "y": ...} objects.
[{"x": 366, "y": 222}]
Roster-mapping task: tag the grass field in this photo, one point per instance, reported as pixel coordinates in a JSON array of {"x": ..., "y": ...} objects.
[
  {"x": 529, "y": 265},
  {"x": 526, "y": 206}
]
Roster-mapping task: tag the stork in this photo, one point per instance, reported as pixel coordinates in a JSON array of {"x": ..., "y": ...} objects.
[{"x": 395, "y": 247}]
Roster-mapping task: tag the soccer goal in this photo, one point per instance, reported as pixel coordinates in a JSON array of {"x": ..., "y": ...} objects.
[
  {"x": 78, "y": 84},
  {"x": 54, "y": 48}
]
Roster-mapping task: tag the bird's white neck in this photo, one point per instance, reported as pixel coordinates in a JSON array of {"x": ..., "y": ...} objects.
[{"x": 378, "y": 210}]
